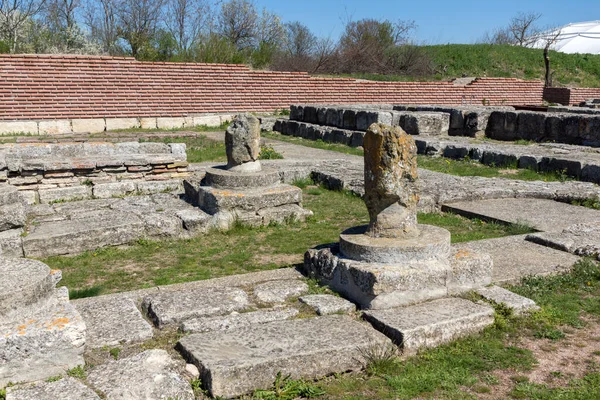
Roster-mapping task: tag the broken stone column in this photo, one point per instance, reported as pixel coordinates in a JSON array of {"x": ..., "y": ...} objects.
[
  {"x": 242, "y": 190},
  {"x": 394, "y": 261},
  {"x": 242, "y": 144},
  {"x": 41, "y": 333}
]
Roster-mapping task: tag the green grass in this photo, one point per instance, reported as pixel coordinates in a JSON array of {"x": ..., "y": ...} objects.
[
  {"x": 198, "y": 148},
  {"x": 198, "y": 128},
  {"x": 240, "y": 250},
  {"x": 315, "y": 144},
  {"x": 478, "y": 60}
]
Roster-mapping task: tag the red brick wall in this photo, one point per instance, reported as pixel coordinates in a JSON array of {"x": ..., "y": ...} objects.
[{"x": 56, "y": 87}]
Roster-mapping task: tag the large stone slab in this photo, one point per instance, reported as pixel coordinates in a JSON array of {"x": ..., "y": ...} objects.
[
  {"x": 112, "y": 322},
  {"x": 431, "y": 323},
  {"x": 45, "y": 344},
  {"x": 237, "y": 320},
  {"x": 541, "y": 214},
  {"x": 238, "y": 361},
  {"x": 101, "y": 229},
  {"x": 148, "y": 375},
  {"x": 176, "y": 307},
  {"x": 11, "y": 243},
  {"x": 514, "y": 258},
  {"x": 12, "y": 216},
  {"x": 63, "y": 389}
]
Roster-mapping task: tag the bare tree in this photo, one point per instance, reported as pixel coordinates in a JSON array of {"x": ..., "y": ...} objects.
[
  {"x": 13, "y": 16},
  {"x": 237, "y": 22},
  {"x": 522, "y": 28},
  {"x": 300, "y": 41},
  {"x": 60, "y": 19},
  {"x": 185, "y": 21},
  {"x": 550, "y": 40},
  {"x": 138, "y": 20},
  {"x": 101, "y": 18}
]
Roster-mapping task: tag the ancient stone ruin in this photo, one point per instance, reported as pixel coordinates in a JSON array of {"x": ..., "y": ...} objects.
[
  {"x": 243, "y": 190},
  {"x": 394, "y": 261},
  {"x": 41, "y": 333}
]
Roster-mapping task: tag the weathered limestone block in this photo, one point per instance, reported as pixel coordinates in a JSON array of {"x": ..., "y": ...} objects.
[
  {"x": 12, "y": 216},
  {"x": 326, "y": 304},
  {"x": 425, "y": 123},
  {"x": 112, "y": 322},
  {"x": 170, "y": 122},
  {"x": 237, "y": 320},
  {"x": 432, "y": 323},
  {"x": 121, "y": 123},
  {"x": 242, "y": 143},
  {"x": 11, "y": 243},
  {"x": 305, "y": 348},
  {"x": 148, "y": 375},
  {"x": 279, "y": 291},
  {"x": 515, "y": 302},
  {"x": 89, "y": 125},
  {"x": 16, "y": 127},
  {"x": 114, "y": 189},
  {"x": 391, "y": 182},
  {"x": 65, "y": 194},
  {"x": 54, "y": 127},
  {"x": 64, "y": 389}
]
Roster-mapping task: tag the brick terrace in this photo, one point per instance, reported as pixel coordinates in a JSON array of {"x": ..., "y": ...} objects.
[{"x": 61, "y": 87}]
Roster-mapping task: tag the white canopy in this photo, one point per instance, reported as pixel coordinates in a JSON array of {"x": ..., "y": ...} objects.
[{"x": 581, "y": 37}]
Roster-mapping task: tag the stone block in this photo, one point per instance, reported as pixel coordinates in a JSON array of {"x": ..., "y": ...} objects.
[
  {"x": 121, "y": 123},
  {"x": 431, "y": 323},
  {"x": 54, "y": 127},
  {"x": 114, "y": 189},
  {"x": 303, "y": 349},
  {"x": 213, "y": 200},
  {"x": 50, "y": 342},
  {"x": 468, "y": 270},
  {"x": 194, "y": 220},
  {"x": 206, "y": 120},
  {"x": 168, "y": 185},
  {"x": 590, "y": 173},
  {"x": 18, "y": 127},
  {"x": 65, "y": 194},
  {"x": 148, "y": 123},
  {"x": 12, "y": 216},
  {"x": 225, "y": 118},
  {"x": 326, "y": 304},
  {"x": 148, "y": 375},
  {"x": 91, "y": 231},
  {"x": 176, "y": 307},
  {"x": 88, "y": 125},
  {"x": 170, "y": 122},
  {"x": 113, "y": 321},
  {"x": 296, "y": 112},
  {"x": 162, "y": 225},
  {"x": 64, "y": 389},
  {"x": 237, "y": 320},
  {"x": 502, "y": 125},
  {"x": 531, "y": 125},
  {"x": 11, "y": 243},
  {"x": 349, "y": 119},
  {"x": 283, "y": 214},
  {"x": 425, "y": 123},
  {"x": 515, "y": 302},
  {"x": 279, "y": 291}
]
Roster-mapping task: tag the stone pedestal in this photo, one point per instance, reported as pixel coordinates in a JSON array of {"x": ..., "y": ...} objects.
[
  {"x": 41, "y": 333},
  {"x": 394, "y": 261},
  {"x": 244, "y": 191}
]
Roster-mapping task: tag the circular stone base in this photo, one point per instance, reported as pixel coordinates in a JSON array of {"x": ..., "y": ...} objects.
[
  {"x": 227, "y": 179},
  {"x": 24, "y": 283},
  {"x": 432, "y": 243}
]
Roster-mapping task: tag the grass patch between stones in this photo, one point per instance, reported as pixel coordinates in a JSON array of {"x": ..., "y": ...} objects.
[{"x": 240, "y": 250}]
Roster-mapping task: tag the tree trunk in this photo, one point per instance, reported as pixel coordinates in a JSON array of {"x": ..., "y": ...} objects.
[{"x": 548, "y": 79}]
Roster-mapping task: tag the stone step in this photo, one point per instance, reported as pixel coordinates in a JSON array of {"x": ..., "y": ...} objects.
[
  {"x": 431, "y": 323},
  {"x": 237, "y": 320},
  {"x": 580, "y": 239},
  {"x": 238, "y": 361},
  {"x": 213, "y": 200},
  {"x": 103, "y": 228},
  {"x": 25, "y": 285},
  {"x": 540, "y": 214},
  {"x": 515, "y": 302}
]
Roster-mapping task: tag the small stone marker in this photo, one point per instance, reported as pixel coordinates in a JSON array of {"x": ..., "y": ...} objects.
[
  {"x": 391, "y": 182},
  {"x": 242, "y": 143}
]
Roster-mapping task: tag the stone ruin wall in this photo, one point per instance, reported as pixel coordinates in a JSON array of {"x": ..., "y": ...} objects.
[
  {"x": 43, "y": 94},
  {"x": 51, "y": 172}
]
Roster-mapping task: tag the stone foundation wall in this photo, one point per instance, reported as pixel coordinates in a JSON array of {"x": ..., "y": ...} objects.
[
  {"x": 53, "y": 172},
  {"x": 570, "y": 128}
]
